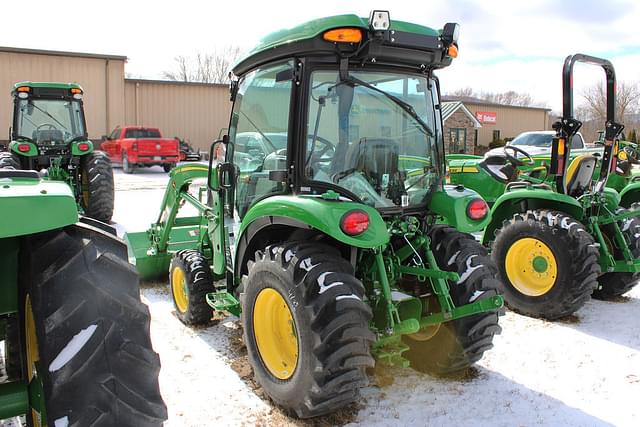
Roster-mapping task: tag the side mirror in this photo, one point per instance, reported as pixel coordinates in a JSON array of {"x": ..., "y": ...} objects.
[
  {"x": 217, "y": 153},
  {"x": 103, "y": 138}
]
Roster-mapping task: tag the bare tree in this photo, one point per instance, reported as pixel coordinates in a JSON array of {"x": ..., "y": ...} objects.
[
  {"x": 204, "y": 67},
  {"x": 627, "y": 101},
  {"x": 509, "y": 97}
]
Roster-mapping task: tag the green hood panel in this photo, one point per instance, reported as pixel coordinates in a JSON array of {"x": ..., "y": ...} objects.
[
  {"x": 31, "y": 205},
  {"x": 323, "y": 215}
]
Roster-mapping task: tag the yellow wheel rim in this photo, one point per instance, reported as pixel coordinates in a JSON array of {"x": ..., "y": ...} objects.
[
  {"x": 33, "y": 356},
  {"x": 275, "y": 333},
  {"x": 179, "y": 289},
  {"x": 531, "y": 267},
  {"x": 85, "y": 190}
]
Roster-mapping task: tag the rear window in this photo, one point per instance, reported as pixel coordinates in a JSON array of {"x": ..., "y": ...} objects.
[{"x": 142, "y": 133}]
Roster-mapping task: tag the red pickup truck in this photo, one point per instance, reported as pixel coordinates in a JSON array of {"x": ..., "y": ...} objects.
[{"x": 132, "y": 146}]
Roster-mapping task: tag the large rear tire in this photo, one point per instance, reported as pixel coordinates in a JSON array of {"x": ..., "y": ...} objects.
[
  {"x": 456, "y": 345},
  {"x": 306, "y": 327},
  {"x": 97, "y": 186},
  {"x": 613, "y": 285},
  {"x": 9, "y": 160},
  {"x": 548, "y": 263},
  {"x": 86, "y": 332}
]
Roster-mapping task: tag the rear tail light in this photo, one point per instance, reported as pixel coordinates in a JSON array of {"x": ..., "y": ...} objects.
[
  {"x": 477, "y": 209},
  {"x": 83, "y": 146},
  {"x": 23, "y": 148},
  {"x": 354, "y": 222},
  {"x": 134, "y": 147}
]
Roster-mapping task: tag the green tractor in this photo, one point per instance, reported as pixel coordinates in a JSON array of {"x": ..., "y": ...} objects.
[
  {"x": 77, "y": 349},
  {"x": 558, "y": 234},
  {"x": 49, "y": 133},
  {"x": 323, "y": 227}
]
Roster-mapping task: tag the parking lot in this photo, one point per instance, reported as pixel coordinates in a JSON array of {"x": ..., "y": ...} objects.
[{"x": 583, "y": 371}]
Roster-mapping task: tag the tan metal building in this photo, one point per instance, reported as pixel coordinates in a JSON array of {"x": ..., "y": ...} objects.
[{"x": 101, "y": 76}]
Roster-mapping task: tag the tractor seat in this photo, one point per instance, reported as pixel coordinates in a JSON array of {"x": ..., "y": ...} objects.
[
  {"x": 499, "y": 168},
  {"x": 580, "y": 174},
  {"x": 48, "y": 135},
  {"x": 374, "y": 156}
]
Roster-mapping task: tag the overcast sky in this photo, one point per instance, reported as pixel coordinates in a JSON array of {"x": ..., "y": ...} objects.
[{"x": 504, "y": 45}]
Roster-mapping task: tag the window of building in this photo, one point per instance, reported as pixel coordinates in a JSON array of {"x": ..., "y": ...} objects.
[
  {"x": 457, "y": 140},
  {"x": 496, "y": 135}
]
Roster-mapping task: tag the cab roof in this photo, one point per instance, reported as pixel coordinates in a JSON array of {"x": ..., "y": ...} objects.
[{"x": 53, "y": 85}]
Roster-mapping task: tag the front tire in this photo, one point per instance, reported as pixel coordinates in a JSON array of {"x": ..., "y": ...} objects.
[
  {"x": 9, "y": 160},
  {"x": 168, "y": 166},
  {"x": 306, "y": 327},
  {"x": 616, "y": 284},
  {"x": 190, "y": 281},
  {"x": 86, "y": 332},
  {"x": 455, "y": 345},
  {"x": 97, "y": 186},
  {"x": 548, "y": 263}
]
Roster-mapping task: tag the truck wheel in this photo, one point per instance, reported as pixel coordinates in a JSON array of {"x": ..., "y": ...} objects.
[
  {"x": 548, "y": 263},
  {"x": 616, "y": 284},
  {"x": 9, "y": 161},
  {"x": 455, "y": 345},
  {"x": 168, "y": 166},
  {"x": 87, "y": 343},
  {"x": 306, "y": 327},
  {"x": 126, "y": 166},
  {"x": 97, "y": 186},
  {"x": 190, "y": 280}
]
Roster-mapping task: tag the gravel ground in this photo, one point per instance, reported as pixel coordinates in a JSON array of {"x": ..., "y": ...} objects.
[{"x": 584, "y": 371}]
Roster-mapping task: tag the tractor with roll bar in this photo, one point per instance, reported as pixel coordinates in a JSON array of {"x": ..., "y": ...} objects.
[
  {"x": 559, "y": 232},
  {"x": 327, "y": 226}
]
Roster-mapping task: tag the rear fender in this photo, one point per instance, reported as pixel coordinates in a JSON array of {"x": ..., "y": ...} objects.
[
  {"x": 451, "y": 204},
  {"x": 32, "y": 152},
  {"x": 522, "y": 200},
  {"x": 630, "y": 194}
]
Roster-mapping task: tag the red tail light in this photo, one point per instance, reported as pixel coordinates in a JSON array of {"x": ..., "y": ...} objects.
[
  {"x": 23, "y": 148},
  {"x": 477, "y": 209},
  {"x": 354, "y": 222},
  {"x": 83, "y": 146},
  {"x": 134, "y": 146}
]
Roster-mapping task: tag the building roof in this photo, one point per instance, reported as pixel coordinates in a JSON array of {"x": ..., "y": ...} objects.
[
  {"x": 60, "y": 53},
  {"x": 477, "y": 101},
  {"x": 448, "y": 108}
]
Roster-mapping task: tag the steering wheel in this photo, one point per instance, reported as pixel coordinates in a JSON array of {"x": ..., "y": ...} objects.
[
  {"x": 49, "y": 125},
  {"x": 327, "y": 145},
  {"x": 512, "y": 157}
]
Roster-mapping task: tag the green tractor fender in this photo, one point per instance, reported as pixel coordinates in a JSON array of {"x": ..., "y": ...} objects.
[
  {"x": 287, "y": 213},
  {"x": 630, "y": 194},
  {"x": 522, "y": 200},
  {"x": 452, "y": 204},
  {"x": 19, "y": 148},
  {"x": 36, "y": 205},
  {"x": 81, "y": 148}
]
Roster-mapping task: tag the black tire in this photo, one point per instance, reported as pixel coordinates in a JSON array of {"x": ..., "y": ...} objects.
[
  {"x": 458, "y": 344},
  {"x": 96, "y": 180},
  {"x": 194, "y": 284},
  {"x": 331, "y": 327},
  {"x": 168, "y": 166},
  {"x": 126, "y": 166},
  {"x": 78, "y": 283},
  {"x": 612, "y": 285},
  {"x": 573, "y": 252},
  {"x": 9, "y": 161},
  {"x": 13, "y": 349}
]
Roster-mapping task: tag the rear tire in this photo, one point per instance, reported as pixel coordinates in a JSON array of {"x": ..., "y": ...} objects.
[
  {"x": 458, "y": 344},
  {"x": 9, "y": 160},
  {"x": 168, "y": 166},
  {"x": 89, "y": 334},
  {"x": 315, "y": 346},
  {"x": 565, "y": 255},
  {"x": 190, "y": 281},
  {"x": 97, "y": 186},
  {"x": 126, "y": 166},
  {"x": 613, "y": 285}
]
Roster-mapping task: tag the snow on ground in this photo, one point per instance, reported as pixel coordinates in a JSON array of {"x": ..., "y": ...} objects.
[{"x": 584, "y": 371}]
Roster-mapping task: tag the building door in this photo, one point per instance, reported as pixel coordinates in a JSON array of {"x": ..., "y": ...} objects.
[{"x": 457, "y": 140}]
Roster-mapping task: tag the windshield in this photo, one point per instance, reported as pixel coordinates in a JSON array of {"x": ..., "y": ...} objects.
[
  {"x": 142, "y": 133},
  {"x": 533, "y": 139},
  {"x": 49, "y": 121},
  {"x": 373, "y": 135}
]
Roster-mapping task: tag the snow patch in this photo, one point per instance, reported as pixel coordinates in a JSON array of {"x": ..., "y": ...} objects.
[
  {"x": 627, "y": 224},
  {"x": 469, "y": 269},
  {"x": 453, "y": 258},
  {"x": 306, "y": 265},
  {"x": 61, "y": 422},
  {"x": 475, "y": 295},
  {"x": 323, "y": 287},
  {"x": 72, "y": 348},
  {"x": 288, "y": 255},
  {"x": 352, "y": 296}
]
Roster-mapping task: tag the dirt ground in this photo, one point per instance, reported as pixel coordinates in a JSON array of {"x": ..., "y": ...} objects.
[{"x": 584, "y": 371}]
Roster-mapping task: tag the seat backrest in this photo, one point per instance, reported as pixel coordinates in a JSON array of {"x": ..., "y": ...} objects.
[
  {"x": 580, "y": 174},
  {"x": 48, "y": 135}
]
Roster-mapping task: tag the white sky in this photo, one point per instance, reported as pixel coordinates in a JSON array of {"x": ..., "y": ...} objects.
[{"x": 504, "y": 45}]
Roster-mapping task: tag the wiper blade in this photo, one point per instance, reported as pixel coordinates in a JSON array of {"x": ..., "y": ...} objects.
[
  {"x": 47, "y": 113},
  {"x": 402, "y": 104}
]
